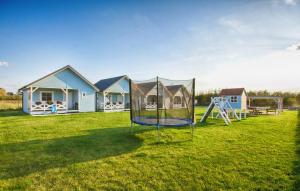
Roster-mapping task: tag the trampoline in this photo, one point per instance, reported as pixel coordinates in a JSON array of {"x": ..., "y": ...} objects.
[{"x": 162, "y": 102}]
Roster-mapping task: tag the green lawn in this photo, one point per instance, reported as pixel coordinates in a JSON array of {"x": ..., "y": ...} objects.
[{"x": 96, "y": 151}]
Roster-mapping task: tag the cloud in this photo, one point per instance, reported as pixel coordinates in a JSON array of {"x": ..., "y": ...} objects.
[
  {"x": 234, "y": 24},
  {"x": 294, "y": 47},
  {"x": 277, "y": 70},
  {"x": 290, "y": 2},
  {"x": 3, "y": 63}
]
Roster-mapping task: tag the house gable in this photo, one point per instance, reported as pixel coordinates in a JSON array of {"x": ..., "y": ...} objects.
[
  {"x": 66, "y": 77},
  {"x": 120, "y": 86},
  {"x": 106, "y": 84}
]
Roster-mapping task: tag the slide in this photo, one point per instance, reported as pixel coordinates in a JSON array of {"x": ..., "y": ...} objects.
[{"x": 208, "y": 111}]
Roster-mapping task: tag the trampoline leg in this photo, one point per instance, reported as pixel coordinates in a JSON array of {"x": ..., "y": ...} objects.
[
  {"x": 192, "y": 130},
  {"x": 131, "y": 128},
  {"x": 158, "y": 136}
]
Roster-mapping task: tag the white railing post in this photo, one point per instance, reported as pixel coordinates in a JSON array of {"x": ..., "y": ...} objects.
[
  {"x": 123, "y": 94},
  {"x": 30, "y": 91},
  {"x": 67, "y": 98},
  {"x": 104, "y": 101}
]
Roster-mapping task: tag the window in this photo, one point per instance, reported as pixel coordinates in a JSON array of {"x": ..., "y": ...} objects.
[
  {"x": 151, "y": 99},
  {"x": 233, "y": 99},
  {"x": 120, "y": 99},
  {"x": 177, "y": 100},
  {"x": 46, "y": 96}
]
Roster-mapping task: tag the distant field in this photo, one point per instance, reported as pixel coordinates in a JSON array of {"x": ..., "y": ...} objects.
[
  {"x": 97, "y": 151},
  {"x": 10, "y": 104}
]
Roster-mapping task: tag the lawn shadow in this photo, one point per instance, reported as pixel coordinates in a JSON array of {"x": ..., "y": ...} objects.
[
  {"x": 297, "y": 162},
  {"x": 211, "y": 123},
  {"x": 163, "y": 137},
  {"x": 20, "y": 159},
  {"x": 11, "y": 112}
]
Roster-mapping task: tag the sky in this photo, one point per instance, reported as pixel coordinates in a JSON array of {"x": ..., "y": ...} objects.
[{"x": 223, "y": 44}]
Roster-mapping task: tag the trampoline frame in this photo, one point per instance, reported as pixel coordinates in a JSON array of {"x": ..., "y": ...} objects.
[{"x": 189, "y": 122}]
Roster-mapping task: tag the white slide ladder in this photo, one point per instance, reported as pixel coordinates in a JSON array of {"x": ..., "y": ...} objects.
[{"x": 221, "y": 104}]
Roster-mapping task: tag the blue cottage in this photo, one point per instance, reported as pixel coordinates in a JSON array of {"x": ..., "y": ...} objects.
[
  {"x": 65, "y": 90},
  {"x": 113, "y": 94}
]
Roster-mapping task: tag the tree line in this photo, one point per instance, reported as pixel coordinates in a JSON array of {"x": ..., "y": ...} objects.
[
  {"x": 8, "y": 95},
  {"x": 290, "y": 99}
]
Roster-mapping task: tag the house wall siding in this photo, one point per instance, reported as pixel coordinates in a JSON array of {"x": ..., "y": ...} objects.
[
  {"x": 179, "y": 93},
  {"x": 244, "y": 101},
  {"x": 25, "y": 101},
  {"x": 236, "y": 105},
  {"x": 241, "y": 103},
  {"x": 58, "y": 95},
  {"x": 120, "y": 86}
]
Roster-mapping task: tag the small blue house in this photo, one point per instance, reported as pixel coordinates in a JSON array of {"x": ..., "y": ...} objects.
[
  {"x": 237, "y": 97},
  {"x": 65, "y": 90},
  {"x": 113, "y": 94}
]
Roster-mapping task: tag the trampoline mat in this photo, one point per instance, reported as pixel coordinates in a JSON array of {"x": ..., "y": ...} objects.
[{"x": 162, "y": 121}]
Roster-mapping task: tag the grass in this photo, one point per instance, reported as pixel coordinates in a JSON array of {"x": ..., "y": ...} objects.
[
  {"x": 96, "y": 151},
  {"x": 10, "y": 104}
]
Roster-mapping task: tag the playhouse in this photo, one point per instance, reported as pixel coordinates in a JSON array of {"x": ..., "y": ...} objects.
[{"x": 237, "y": 98}]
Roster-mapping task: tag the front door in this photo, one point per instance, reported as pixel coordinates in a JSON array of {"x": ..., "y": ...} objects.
[{"x": 70, "y": 100}]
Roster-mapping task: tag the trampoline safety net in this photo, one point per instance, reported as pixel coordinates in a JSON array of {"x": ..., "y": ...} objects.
[{"x": 162, "y": 102}]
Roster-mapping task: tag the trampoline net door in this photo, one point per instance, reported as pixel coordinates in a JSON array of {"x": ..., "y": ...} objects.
[
  {"x": 144, "y": 102},
  {"x": 162, "y": 102}
]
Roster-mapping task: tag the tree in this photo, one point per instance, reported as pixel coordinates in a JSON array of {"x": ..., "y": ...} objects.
[
  {"x": 291, "y": 101},
  {"x": 298, "y": 98},
  {"x": 2, "y": 92}
]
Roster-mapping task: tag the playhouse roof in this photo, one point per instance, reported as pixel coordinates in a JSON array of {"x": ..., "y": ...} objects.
[
  {"x": 60, "y": 70},
  {"x": 106, "y": 83},
  {"x": 232, "y": 91}
]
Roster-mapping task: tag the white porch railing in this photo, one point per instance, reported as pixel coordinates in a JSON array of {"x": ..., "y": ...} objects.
[
  {"x": 150, "y": 106},
  {"x": 177, "y": 105},
  {"x": 113, "y": 106},
  {"x": 44, "y": 106}
]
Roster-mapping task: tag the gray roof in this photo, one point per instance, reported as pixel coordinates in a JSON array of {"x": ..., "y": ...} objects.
[
  {"x": 106, "y": 83},
  {"x": 232, "y": 91}
]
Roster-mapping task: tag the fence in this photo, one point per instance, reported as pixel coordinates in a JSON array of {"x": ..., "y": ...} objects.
[{"x": 10, "y": 104}]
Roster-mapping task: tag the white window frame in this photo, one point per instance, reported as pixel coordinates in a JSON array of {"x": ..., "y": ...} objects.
[
  {"x": 232, "y": 99},
  {"x": 41, "y": 93}
]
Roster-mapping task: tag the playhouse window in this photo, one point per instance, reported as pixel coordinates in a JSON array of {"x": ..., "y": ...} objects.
[
  {"x": 233, "y": 99},
  {"x": 46, "y": 96}
]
